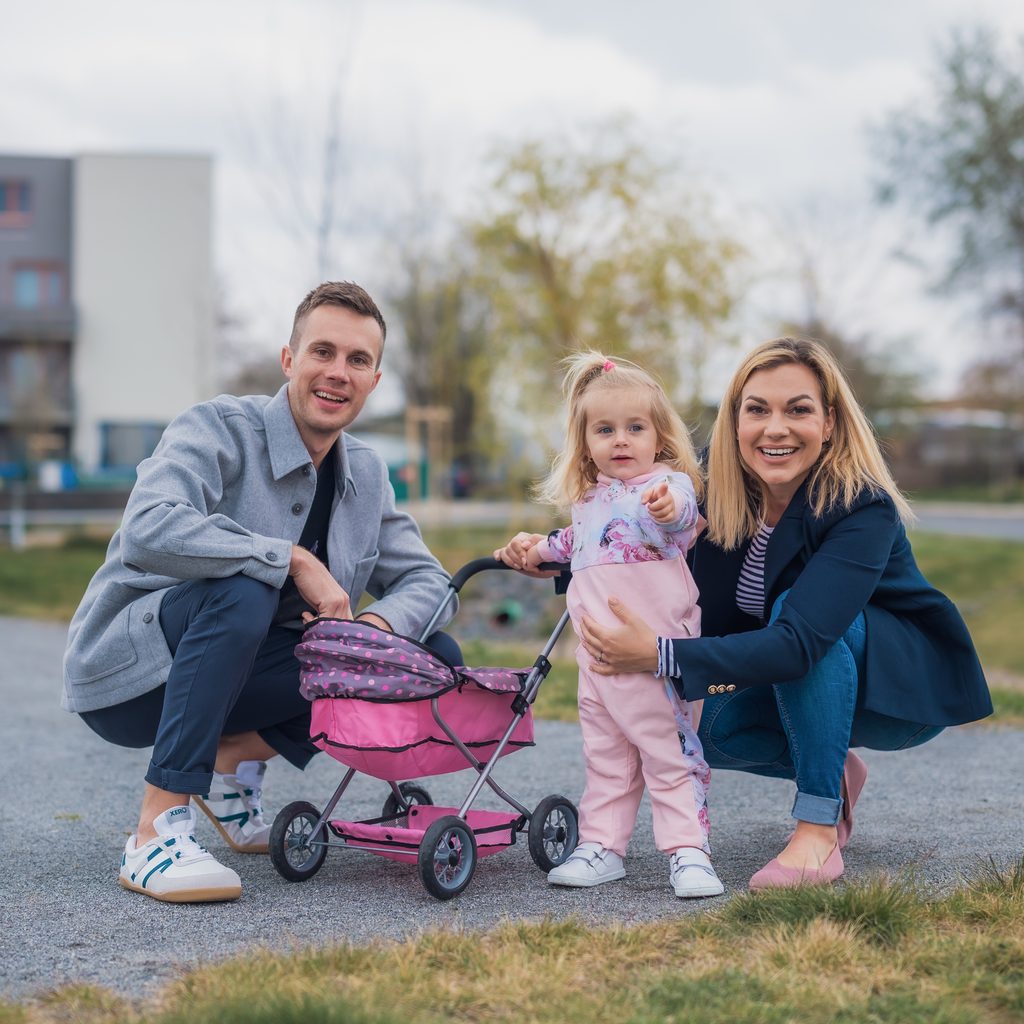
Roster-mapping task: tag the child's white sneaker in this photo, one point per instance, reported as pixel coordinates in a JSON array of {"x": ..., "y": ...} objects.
[
  {"x": 589, "y": 864},
  {"x": 690, "y": 874},
  {"x": 174, "y": 867},
  {"x": 234, "y": 805}
]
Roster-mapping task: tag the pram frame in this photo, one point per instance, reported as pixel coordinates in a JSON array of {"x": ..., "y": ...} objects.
[{"x": 520, "y": 705}]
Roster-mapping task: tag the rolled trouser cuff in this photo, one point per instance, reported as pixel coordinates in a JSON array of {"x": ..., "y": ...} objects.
[
  {"x": 818, "y": 810},
  {"x": 178, "y": 782}
]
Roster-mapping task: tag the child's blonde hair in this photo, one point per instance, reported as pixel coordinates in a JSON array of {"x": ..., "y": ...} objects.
[{"x": 573, "y": 472}]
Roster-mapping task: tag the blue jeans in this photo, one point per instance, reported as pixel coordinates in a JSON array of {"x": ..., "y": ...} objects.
[
  {"x": 803, "y": 729},
  {"x": 233, "y": 672}
]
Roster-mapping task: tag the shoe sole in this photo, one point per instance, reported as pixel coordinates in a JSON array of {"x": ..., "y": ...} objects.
[
  {"x": 221, "y": 895},
  {"x": 588, "y": 883},
  {"x": 253, "y": 848},
  {"x": 689, "y": 894}
]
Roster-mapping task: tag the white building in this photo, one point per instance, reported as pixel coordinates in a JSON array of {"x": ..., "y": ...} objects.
[{"x": 106, "y": 305}]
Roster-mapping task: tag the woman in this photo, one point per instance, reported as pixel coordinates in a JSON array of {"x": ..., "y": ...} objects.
[{"x": 819, "y": 632}]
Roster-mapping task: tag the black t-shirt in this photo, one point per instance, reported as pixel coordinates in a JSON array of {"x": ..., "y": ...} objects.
[{"x": 290, "y": 605}]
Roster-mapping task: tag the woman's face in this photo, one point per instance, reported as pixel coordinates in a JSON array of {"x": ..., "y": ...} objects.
[{"x": 781, "y": 426}]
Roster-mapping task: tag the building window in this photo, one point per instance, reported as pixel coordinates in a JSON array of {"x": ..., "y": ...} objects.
[
  {"x": 124, "y": 445},
  {"x": 15, "y": 204},
  {"x": 39, "y": 286}
]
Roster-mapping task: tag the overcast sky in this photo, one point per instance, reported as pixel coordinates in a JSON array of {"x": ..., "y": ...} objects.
[{"x": 768, "y": 100}]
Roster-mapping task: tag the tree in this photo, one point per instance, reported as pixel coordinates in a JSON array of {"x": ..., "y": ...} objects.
[
  {"x": 600, "y": 245},
  {"x": 443, "y": 357},
  {"x": 958, "y": 161},
  {"x": 842, "y": 269}
]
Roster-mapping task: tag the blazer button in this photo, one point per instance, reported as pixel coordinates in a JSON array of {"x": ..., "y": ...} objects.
[
  {"x": 296, "y": 508},
  {"x": 730, "y": 688},
  {"x": 271, "y": 556},
  {"x": 306, "y": 470},
  {"x": 148, "y": 617}
]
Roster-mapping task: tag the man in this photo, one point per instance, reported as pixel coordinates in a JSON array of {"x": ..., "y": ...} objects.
[{"x": 252, "y": 516}]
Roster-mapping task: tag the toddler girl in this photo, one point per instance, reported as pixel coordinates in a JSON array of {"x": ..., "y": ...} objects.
[{"x": 629, "y": 472}]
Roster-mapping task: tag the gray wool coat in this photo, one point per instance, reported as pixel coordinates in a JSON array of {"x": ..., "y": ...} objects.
[{"x": 226, "y": 492}]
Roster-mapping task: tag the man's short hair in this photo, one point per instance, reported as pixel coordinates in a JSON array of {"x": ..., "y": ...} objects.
[{"x": 337, "y": 293}]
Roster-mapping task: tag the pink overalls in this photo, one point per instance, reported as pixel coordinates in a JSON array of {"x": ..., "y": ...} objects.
[{"x": 636, "y": 731}]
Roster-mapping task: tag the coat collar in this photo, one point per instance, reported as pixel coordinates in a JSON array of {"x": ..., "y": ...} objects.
[{"x": 286, "y": 448}]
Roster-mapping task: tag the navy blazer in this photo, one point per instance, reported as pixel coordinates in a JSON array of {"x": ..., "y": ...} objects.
[{"x": 921, "y": 664}]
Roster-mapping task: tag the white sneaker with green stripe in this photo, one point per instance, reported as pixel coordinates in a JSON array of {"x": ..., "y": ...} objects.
[
  {"x": 234, "y": 806},
  {"x": 174, "y": 867}
]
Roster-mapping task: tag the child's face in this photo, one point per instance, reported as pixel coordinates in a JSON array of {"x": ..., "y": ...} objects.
[{"x": 621, "y": 438}]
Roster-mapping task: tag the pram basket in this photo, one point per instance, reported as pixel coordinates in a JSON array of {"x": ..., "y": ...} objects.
[{"x": 387, "y": 706}]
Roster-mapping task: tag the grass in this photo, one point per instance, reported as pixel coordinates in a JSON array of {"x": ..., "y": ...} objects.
[
  {"x": 986, "y": 580},
  {"x": 876, "y": 951},
  {"x": 984, "y": 577}
]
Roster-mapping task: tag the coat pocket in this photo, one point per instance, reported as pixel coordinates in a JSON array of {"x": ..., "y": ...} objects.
[{"x": 361, "y": 576}]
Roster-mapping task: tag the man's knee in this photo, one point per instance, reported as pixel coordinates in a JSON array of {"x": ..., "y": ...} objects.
[
  {"x": 445, "y": 645},
  {"x": 245, "y": 607}
]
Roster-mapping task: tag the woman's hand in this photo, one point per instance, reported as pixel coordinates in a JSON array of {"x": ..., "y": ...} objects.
[{"x": 631, "y": 647}]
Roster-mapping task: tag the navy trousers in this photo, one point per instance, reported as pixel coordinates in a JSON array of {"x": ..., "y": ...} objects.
[{"x": 233, "y": 672}]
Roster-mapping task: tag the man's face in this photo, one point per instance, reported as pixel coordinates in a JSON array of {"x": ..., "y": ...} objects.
[{"x": 331, "y": 372}]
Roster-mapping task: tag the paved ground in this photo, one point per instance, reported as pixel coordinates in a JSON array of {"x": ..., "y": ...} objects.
[{"x": 69, "y": 801}]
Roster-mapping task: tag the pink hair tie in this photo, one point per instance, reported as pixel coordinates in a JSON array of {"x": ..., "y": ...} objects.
[{"x": 608, "y": 366}]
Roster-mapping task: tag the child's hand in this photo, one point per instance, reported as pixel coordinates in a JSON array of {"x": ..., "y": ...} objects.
[
  {"x": 660, "y": 503},
  {"x": 516, "y": 553}
]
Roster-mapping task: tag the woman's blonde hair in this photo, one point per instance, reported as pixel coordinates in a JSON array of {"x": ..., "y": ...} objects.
[
  {"x": 573, "y": 472},
  {"x": 850, "y": 460}
]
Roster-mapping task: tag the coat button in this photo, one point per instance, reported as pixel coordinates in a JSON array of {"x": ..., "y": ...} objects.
[
  {"x": 148, "y": 617},
  {"x": 271, "y": 556},
  {"x": 730, "y": 688},
  {"x": 296, "y": 508},
  {"x": 306, "y": 470}
]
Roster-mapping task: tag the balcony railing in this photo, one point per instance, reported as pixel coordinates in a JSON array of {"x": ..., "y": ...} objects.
[{"x": 53, "y": 323}]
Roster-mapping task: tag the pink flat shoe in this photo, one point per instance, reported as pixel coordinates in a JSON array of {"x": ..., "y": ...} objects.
[
  {"x": 778, "y": 876},
  {"x": 855, "y": 773}
]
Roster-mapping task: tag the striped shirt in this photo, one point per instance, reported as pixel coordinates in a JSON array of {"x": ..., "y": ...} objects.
[
  {"x": 749, "y": 597},
  {"x": 750, "y": 586}
]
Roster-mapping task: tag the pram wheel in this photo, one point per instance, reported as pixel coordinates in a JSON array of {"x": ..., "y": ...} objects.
[
  {"x": 554, "y": 832},
  {"x": 411, "y": 794},
  {"x": 447, "y": 857},
  {"x": 291, "y": 838}
]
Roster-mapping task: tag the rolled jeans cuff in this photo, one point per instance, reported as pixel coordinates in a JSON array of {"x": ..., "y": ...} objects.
[
  {"x": 818, "y": 810},
  {"x": 178, "y": 782}
]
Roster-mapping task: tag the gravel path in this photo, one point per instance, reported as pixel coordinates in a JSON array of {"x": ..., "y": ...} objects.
[{"x": 66, "y": 812}]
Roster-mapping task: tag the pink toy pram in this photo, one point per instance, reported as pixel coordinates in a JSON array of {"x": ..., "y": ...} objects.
[{"x": 389, "y": 707}]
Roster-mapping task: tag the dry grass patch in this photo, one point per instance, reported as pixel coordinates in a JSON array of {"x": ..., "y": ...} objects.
[{"x": 877, "y": 952}]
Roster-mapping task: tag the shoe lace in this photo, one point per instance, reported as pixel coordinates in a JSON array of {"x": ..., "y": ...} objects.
[
  {"x": 187, "y": 849},
  {"x": 252, "y": 798}
]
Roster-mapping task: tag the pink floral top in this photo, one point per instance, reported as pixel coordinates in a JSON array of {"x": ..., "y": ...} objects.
[{"x": 611, "y": 526}]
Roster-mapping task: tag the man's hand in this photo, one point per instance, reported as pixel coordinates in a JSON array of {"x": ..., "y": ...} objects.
[
  {"x": 660, "y": 503},
  {"x": 317, "y": 587},
  {"x": 631, "y": 647},
  {"x": 375, "y": 620}
]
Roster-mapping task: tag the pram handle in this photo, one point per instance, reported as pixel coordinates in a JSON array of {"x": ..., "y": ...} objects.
[{"x": 479, "y": 565}]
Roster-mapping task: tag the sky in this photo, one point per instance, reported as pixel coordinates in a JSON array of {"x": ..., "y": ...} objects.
[{"x": 768, "y": 104}]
